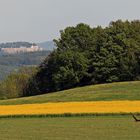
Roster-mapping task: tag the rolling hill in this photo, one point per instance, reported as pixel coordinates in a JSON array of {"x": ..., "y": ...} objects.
[{"x": 105, "y": 92}]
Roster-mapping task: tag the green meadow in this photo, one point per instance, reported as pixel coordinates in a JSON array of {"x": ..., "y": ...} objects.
[
  {"x": 70, "y": 128},
  {"x": 103, "y": 92}
]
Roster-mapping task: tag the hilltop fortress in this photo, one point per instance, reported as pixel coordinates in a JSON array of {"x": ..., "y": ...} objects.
[{"x": 22, "y": 49}]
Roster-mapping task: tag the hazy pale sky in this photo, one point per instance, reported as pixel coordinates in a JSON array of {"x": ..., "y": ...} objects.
[{"x": 41, "y": 20}]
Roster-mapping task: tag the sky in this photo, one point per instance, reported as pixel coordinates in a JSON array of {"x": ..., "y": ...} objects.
[{"x": 41, "y": 20}]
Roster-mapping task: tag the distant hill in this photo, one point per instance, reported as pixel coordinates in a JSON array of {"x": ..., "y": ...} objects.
[
  {"x": 48, "y": 45},
  {"x": 9, "y": 63},
  {"x": 18, "y": 47}
]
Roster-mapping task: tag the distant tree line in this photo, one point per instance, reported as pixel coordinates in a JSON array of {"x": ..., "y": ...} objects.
[
  {"x": 86, "y": 56},
  {"x": 9, "y": 63},
  {"x": 15, "y": 44},
  {"x": 26, "y": 58}
]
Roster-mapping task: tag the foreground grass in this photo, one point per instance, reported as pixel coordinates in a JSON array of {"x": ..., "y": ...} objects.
[
  {"x": 105, "y": 92},
  {"x": 71, "y": 128}
]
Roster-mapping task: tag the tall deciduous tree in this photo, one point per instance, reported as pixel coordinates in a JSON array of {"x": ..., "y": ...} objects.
[{"x": 86, "y": 55}]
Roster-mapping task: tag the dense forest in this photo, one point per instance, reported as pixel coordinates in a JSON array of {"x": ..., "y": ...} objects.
[{"x": 86, "y": 55}]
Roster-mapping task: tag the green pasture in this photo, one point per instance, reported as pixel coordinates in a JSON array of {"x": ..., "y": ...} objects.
[
  {"x": 70, "y": 128},
  {"x": 104, "y": 92}
]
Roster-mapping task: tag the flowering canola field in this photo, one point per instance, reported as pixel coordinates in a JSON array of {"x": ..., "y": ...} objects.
[{"x": 72, "y": 107}]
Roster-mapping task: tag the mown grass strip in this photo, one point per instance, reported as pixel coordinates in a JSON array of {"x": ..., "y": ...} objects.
[{"x": 67, "y": 115}]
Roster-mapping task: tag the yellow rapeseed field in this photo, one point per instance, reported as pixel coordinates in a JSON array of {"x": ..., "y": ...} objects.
[{"x": 72, "y": 107}]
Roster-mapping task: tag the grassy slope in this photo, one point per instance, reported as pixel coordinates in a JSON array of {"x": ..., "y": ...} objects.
[
  {"x": 77, "y": 128},
  {"x": 106, "y": 92}
]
